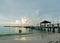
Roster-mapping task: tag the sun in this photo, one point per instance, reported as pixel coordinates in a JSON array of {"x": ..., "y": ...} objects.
[
  {"x": 17, "y": 21},
  {"x": 24, "y": 20}
]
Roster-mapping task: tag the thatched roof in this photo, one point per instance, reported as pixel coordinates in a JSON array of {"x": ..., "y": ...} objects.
[{"x": 45, "y": 21}]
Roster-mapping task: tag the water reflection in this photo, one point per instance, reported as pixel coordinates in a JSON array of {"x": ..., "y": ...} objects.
[
  {"x": 33, "y": 36},
  {"x": 22, "y": 38},
  {"x": 38, "y": 36},
  {"x": 16, "y": 30}
]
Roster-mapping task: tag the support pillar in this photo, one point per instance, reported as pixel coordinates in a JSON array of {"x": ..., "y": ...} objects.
[
  {"x": 58, "y": 28},
  {"x": 53, "y": 29},
  {"x": 48, "y": 30}
]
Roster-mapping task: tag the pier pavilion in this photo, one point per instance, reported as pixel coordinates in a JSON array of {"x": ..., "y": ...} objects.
[
  {"x": 51, "y": 27},
  {"x": 45, "y": 24}
]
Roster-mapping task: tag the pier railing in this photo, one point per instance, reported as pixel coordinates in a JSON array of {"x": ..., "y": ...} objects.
[{"x": 51, "y": 25}]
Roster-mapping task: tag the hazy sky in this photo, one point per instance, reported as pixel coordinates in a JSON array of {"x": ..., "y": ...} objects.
[{"x": 12, "y": 10}]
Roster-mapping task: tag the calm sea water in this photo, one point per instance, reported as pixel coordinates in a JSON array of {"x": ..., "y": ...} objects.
[
  {"x": 15, "y": 30},
  {"x": 35, "y": 34}
]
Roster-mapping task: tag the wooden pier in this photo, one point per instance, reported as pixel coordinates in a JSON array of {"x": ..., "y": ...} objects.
[
  {"x": 46, "y": 25},
  {"x": 43, "y": 26},
  {"x": 50, "y": 27}
]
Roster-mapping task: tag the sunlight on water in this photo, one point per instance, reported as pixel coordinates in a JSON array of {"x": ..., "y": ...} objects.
[
  {"x": 36, "y": 34},
  {"x": 22, "y": 38}
]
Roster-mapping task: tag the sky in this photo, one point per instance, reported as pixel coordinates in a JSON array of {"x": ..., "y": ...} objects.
[{"x": 31, "y": 11}]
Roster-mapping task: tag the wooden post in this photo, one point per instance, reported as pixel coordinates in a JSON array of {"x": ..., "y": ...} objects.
[
  {"x": 41, "y": 27},
  {"x": 53, "y": 28},
  {"x": 50, "y": 27},
  {"x": 58, "y": 28},
  {"x": 44, "y": 29}
]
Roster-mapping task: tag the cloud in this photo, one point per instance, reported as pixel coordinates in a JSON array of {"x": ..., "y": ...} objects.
[
  {"x": 36, "y": 16},
  {"x": 36, "y": 13},
  {"x": 24, "y": 21}
]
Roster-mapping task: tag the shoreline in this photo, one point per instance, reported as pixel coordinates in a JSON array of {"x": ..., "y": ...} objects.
[{"x": 54, "y": 37}]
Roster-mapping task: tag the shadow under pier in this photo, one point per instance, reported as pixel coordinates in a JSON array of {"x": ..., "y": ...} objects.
[{"x": 51, "y": 28}]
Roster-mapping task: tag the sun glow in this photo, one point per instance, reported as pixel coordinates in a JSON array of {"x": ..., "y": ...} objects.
[
  {"x": 17, "y": 21},
  {"x": 24, "y": 20}
]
